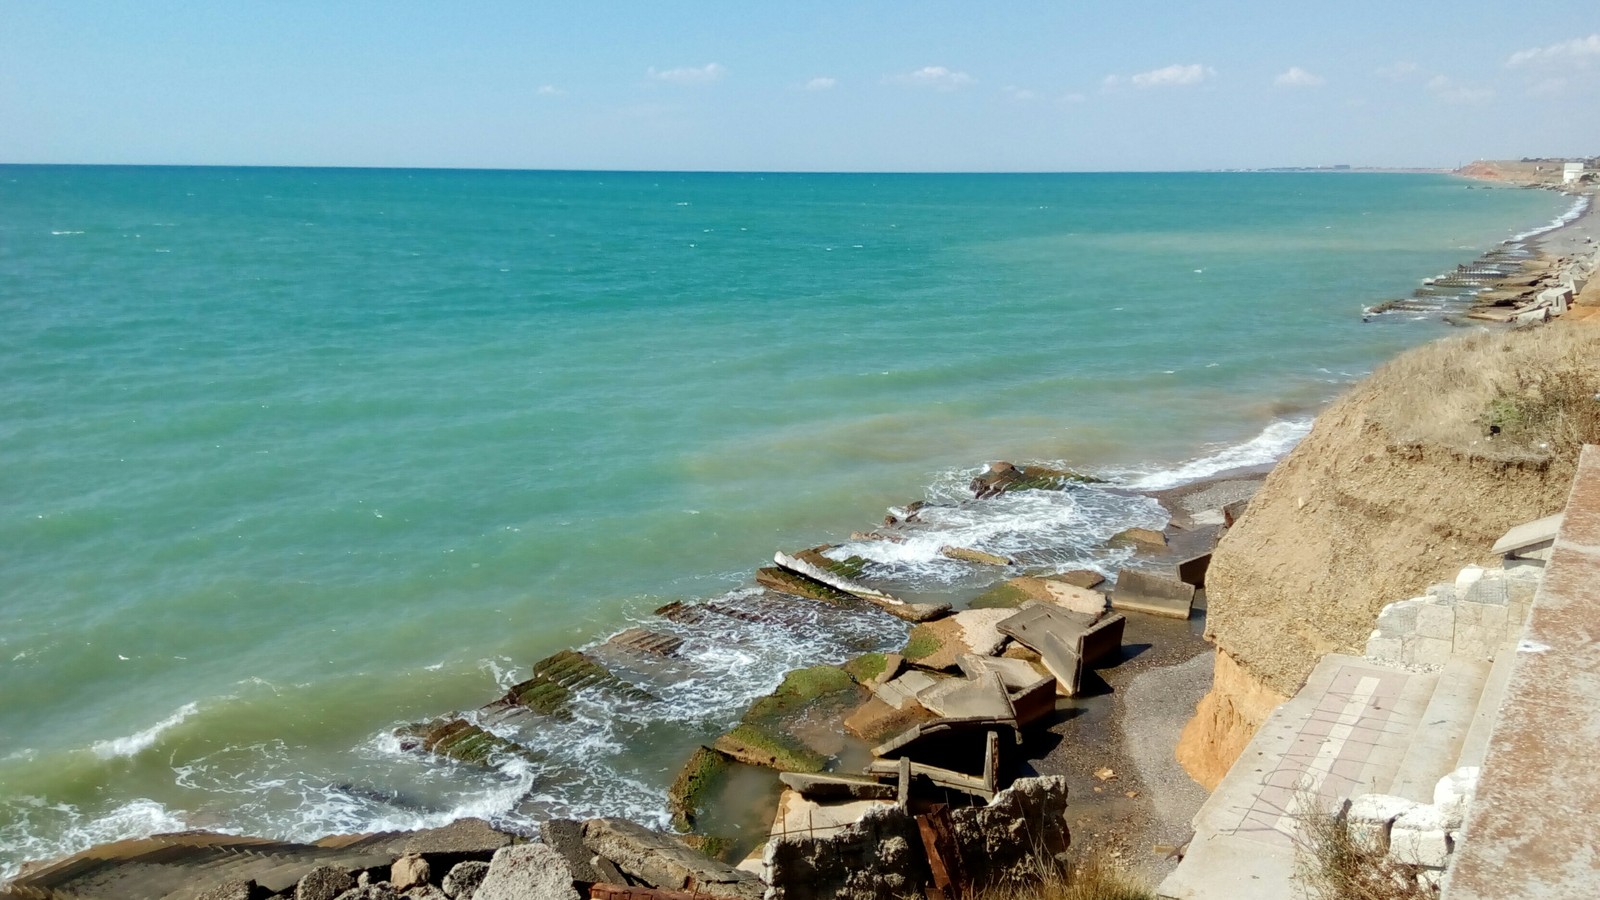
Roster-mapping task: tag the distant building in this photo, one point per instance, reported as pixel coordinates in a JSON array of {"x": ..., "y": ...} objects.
[{"x": 1571, "y": 172}]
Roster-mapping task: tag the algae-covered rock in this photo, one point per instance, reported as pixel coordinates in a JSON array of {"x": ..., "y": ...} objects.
[
  {"x": 556, "y": 677},
  {"x": 967, "y": 554},
  {"x": 938, "y": 645},
  {"x": 866, "y": 667},
  {"x": 1000, "y": 477},
  {"x": 1138, "y": 538},
  {"x": 766, "y": 737},
  {"x": 699, "y": 773},
  {"x": 794, "y": 584},
  {"x": 851, "y": 567},
  {"x": 1005, "y": 595},
  {"x": 460, "y": 740}
]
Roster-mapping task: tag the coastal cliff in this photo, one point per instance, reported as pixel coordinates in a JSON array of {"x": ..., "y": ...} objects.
[{"x": 1423, "y": 465}]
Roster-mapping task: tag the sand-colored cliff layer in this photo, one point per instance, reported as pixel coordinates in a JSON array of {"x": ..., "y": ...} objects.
[{"x": 1398, "y": 484}]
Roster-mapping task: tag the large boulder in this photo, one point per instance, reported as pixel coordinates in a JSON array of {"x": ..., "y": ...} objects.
[
  {"x": 662, "y": 861},
  {"x": 527, "y": 872},
  {"x": 462, "y": 881},
  {"x": 324, "y": 883}
]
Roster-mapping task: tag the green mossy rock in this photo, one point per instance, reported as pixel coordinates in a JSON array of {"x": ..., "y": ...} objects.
[
  {"x": 698, "y": 775},
  {"x": 866, "y": 667},
  {"x": 922, "y": 643},
  {"x": 786, "y": 582},
  {"x": 555, "y": 678},
  {"x": 1004, "y": 595},
  {"x": 461, "y": 741},
  {"x": 758, "y": 746}
]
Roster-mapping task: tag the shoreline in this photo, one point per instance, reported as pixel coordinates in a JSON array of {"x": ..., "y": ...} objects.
[{"x": 1188, "y": 503}]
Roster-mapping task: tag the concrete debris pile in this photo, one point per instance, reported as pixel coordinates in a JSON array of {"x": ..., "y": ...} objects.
[{"x": 1411, "y": 833}]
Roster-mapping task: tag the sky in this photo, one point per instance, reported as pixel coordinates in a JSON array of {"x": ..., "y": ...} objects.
[{"x": 1067, "y": 85}]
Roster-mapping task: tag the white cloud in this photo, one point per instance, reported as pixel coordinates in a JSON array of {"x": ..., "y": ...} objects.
[
  {"x": 1548, "y": 87},
  {"x": 1073, "y": 98},
  {"x": 550, "y": 90},
  {"x": 1451, "y": 92},
  {"x": 1398, "y": 70},
  {"x": 689, "y": 74},
  {"x": 1298, "y": 77},
  {"x": 1021, "y": 95},
  {"x": 1173, "y": 76},
  {"x": 1578, "y": 52},
  {"x": 937, "y": 77},
  {"x": 1111, "y": 83},
  {"x": 821, "y": 83}
]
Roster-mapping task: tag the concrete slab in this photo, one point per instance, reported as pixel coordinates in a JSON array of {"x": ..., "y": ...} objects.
[
  {"x": 1102, "y": 643},
  {"x": 1152, "y": 594},
  {"x": 1475, "y": 746},
  {"x": 1056, "y": 634},
  {"x": 1015, "y": 674},
  {"x": 823, "y": 788},
  {"x": 798, "y": 816},
  {"x": 898, "y": 692},
  {"x": 1536, "y": 535},
  {"x": 983, "y": 696},
  {"x": 1193, "y": 570}
]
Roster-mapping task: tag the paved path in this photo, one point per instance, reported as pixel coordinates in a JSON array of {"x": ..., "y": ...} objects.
[{"x": 1345, "y": 733}]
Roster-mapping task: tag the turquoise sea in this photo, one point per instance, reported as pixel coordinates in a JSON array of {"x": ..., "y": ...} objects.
[{"x": 291, "y": 456}]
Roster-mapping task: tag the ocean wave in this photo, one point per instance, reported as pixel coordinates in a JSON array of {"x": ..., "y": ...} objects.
[
  {"x": 139, "y": 741},
  {"x": 1068, "y": 525},
  {"x": 32, "y": 828},
  {"x": 1269, "y": 446},
  {"x": 1579, "y": 206}
]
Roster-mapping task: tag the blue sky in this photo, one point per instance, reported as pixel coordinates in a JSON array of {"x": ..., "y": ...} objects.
[{"x": 1065, "y": 86}]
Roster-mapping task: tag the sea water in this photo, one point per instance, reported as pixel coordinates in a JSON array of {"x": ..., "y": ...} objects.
[{"x": 291, "y": 456}]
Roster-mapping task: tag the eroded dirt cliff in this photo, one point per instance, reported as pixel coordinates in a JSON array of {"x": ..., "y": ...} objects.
[{"x": 1397, "y": 486}]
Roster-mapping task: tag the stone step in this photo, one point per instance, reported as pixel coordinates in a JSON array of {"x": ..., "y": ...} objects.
[
  {"x": 1436, "y": 744},
  {"x": 1475, "y": 746},
  {"x": 1344, "y": 733}
]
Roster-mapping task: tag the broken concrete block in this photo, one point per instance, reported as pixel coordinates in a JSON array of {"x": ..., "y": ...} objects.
[
  {"x": 959, "y": 698},
  {"x": 1084, "y": 578},
  {"x": 936, "y": 645},
  {"x": 1454, "y": 792},
  {"x": 1369, "y": 817},
  {"x": 1466, "y": 578},
  {"x": 462, "y": 741},
  {"x": 1193, "y": 570},
  {"x": 875, "y": 720},
  {"x": 967, "y": 554},
  {"x": 1420, "y": 837},
  {"x": 825, "y": 788},
  {"x": 1146, "y": 538},
  {"x": 1032, "y": 695},
  {"x": 662, "y": 861},
  {"x": 1015, "y": 674},
  {"x": 1103, "y": 641},
  {"x": 1399, "y": 619},
  {"x": 901, "y": 691},
  {"x": 1000, "y": 477},
  {"x": 1057, "y": 635},
  {"x": 801, "y": 815},
  {"x": 653, "y": 643},
  {"x": 1232, "y": 511},
  {"x": 783, "y": 581},
  {"x": 1054, "y": 589},
  {"x": 1152, "y": 594}
]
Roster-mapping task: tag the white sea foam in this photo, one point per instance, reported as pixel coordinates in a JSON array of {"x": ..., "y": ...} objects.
[
  {"x": 1268, "y": 446},
  {"x": 139, "y": 741},
  {"x": 1579, "y": 205},
  {"x": 66, "y": 232},
  {"x": 31, "y": 828}
]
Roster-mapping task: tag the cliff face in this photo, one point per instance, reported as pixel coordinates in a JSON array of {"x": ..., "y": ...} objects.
[{"x": 1396, "y": 487}]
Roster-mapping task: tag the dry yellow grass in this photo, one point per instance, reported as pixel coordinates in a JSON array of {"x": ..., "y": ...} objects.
[
  {"x": 1333, "y": 866},
  {"x": 1080, "y": 877},
  {"x": 1517, "y": 395}
]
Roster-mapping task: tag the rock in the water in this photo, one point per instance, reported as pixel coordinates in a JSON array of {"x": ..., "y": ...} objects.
[
  {"x": 324, "y": 883},
  {"x": 409, "y": 871},
  {"x": 764, "y": 736},
  {"x": 665, "y": 862},
  {"x": 999, "y": 477},
  {"x": 703, "y": 768},
  {"x": 462, "y": 880},
  {"x": 1139, "y": 538},
  {"x": 565, "y": 836},
  {"x": 231, "y": 890},
  {"x": 527, "y": 872},
  {"x": 967, "y": 554},
  {"x": 460, "y": 740}
]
